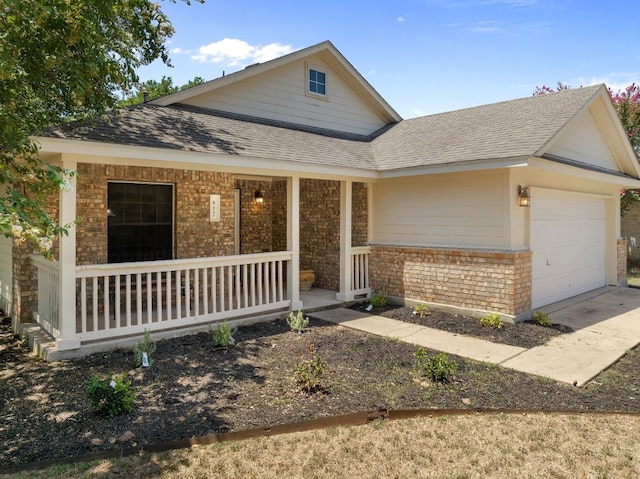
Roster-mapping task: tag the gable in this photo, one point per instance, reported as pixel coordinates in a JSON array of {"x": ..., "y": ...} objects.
[
  {"x": 281, "y": 94},
  {"x": 583, "y": 141}
]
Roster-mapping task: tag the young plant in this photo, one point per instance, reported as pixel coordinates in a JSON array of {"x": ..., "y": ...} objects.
[
  {"x": 542, "y": 319},
  {"x": 421, "y": 310},
  {"x": 492, "y": 320},
  {"x": 438, "y": 368},
  {"x": 143, "y": 350},
  {"x": 297, "y": 321},
  {"x": 378, "y": 301},
  {"x": 309, "y": 372},
  {"x": 113, "y": 395},
  {"x": 223, "y": 335}
]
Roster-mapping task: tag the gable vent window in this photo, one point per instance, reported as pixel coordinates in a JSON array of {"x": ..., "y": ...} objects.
[{"x": 317, "y": 82}]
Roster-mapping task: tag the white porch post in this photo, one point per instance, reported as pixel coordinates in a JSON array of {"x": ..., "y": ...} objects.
[
  {"x": 67, "y": 275},
  {"x": 346, "y": 195},
  {"x": 293, "y": 242}
]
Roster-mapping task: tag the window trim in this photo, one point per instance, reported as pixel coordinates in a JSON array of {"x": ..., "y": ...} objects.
[{"x": 308, "y": 92}]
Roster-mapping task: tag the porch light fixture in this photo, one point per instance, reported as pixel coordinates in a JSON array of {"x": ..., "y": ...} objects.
[
  {"x": 257, "y": 197},
  {"x": 110, "y": 212},
  {"x": 524, "y": 199}
]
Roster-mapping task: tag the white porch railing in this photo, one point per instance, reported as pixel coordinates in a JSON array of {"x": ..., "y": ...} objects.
[
  {"x": 127, "y": 298},
  {"x": 360, "y": 270},
  {"x": 47, "y": 315}
]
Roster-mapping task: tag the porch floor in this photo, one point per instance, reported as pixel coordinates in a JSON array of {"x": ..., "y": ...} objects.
[{"x": 318, "y": 298}]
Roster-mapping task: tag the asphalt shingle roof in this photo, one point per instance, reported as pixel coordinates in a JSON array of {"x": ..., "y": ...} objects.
[{"x": 510, "y": 129}]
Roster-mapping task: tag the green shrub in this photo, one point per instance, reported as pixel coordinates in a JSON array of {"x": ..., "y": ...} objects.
[
  {"x": 309, "y": 372},
  {"x": 542, "y": 319},
  {"x": 421, "y": 310},
  {"x": 223, "y": 335},
  {"x": 492, "y": 320},
  {"x": 438, "y": 368},
  {"x": 297, "y": 321},
  {"x": 146, "y": 346},
  {"x": 378, "y": 301},
  {"x": 113, "y": 395}
]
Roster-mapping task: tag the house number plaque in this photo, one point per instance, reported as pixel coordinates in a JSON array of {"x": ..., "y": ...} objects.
[{"x": 214, "y": 208}]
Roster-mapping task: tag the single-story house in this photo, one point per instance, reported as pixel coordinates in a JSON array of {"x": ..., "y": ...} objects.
[{"x": 205, "y": 205}]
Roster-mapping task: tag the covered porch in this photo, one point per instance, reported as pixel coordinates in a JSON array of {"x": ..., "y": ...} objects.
[{"x": 83, "y": 305}]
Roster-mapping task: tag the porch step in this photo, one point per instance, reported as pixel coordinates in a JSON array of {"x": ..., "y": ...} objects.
[{"x": 40, "y": 343}]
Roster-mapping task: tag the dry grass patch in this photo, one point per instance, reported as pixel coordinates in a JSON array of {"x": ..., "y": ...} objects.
[{"x": 476, "y": 446}]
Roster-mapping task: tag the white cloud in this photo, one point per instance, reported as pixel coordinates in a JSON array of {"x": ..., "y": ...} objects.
[
  {"x": 233, "y": 52},
  {"x": 614, "y": 81},
  {"x": 401, "y": 19},
  {"x": 179, "y": 51}
]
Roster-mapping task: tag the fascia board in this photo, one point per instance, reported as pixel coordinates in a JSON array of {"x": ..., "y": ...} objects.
[
  {"x": 96, "y": 152},
  {"x": 550, "y": 166},
  {"x": 477, "y": 165}
]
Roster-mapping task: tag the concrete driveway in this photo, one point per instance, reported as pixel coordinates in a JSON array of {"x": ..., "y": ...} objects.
[{"x": 606, "y": 324}]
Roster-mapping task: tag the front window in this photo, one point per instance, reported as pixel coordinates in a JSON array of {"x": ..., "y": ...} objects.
[
  {"x": 317, "y": 82},
  {"x": 140, "y": 222}
]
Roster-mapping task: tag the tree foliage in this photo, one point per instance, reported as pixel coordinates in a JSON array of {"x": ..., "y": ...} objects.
[
  {"x": 627, "y": 105},
  {"x": 62, "y": 60},
  {"x": 156, "y": 89}
]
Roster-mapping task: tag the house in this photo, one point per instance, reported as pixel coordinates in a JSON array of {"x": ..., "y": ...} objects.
[{"x": 204, "y": 205}]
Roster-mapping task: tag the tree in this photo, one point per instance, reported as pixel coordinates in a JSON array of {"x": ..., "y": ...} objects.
[
  {"x": 62, "y": 60},
  {"x": 627, "y": 105},
  {"x": 155, "y": 89}
]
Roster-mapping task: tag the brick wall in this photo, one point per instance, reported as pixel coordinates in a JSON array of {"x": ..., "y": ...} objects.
[
  {"x": 622, "y": 262},
  {"x": 359, "y": 215},
  {"x": 195, "y": 235},
  {"x": 486, "y": 280},
  {"x": 256, "y": 226}
]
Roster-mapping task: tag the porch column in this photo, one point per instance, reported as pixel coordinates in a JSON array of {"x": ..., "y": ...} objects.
[
  {"x": 293, "y": 242},
  {"x": 346, "y": 204},
  {"x": 67, "y": 274}
]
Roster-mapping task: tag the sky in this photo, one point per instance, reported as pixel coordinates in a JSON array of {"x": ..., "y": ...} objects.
[{"x": 422, "y": 56}]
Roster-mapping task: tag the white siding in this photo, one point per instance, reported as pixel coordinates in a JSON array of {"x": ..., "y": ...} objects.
[
  {"x": 280, "y": 95},
  {"x": 448, "y": 210},
  {"x": 6, "y": 275},
  {"x": 583, "y": 141}
]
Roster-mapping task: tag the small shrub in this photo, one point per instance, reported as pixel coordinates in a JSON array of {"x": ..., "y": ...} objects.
[
  {"x": 309, "y": 372},
  {"x": 223, "y": 335},
  {"x": 438, "y": 368},
  {"x": 113, "y": 395},
  {"x": 297, "y": 321},
  {"x": 378, "y": 301},
  {"x": 492, "y": 320},
  {"x": 542, "y": 319},
  {"x": 421, "y": 310},
  {"x": 146, "y": 346}
]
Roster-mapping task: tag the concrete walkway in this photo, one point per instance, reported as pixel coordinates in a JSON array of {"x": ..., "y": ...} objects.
[{"x": 606, "y": 324}]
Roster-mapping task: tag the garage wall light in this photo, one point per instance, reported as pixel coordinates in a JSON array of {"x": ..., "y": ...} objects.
[
  {"x": 258, "y": 198},
  {"x": 524, "y": 199}
]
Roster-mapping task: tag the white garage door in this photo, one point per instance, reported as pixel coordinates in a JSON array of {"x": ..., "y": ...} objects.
[{"x": 568, "y": 245}]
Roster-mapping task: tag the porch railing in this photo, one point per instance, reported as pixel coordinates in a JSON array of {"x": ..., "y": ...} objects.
[
  {"x": 360, "y": 270},
  {"x": 47, "y": 315},
  {"x": 126, "y": 298}
]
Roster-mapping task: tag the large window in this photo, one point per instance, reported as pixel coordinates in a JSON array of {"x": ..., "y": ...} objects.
[{"x": 140, "y": 222}]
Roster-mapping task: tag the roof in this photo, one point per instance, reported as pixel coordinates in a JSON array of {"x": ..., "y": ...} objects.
[
  {"x": 511, "y": 129},
  {"x": 186, "y": 128}
]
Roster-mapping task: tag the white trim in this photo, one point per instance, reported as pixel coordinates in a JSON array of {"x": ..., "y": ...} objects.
[{"x": 576, "y": 172}]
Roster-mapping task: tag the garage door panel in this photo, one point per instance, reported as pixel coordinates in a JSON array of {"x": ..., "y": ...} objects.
[{"x": 568, "y": 245}]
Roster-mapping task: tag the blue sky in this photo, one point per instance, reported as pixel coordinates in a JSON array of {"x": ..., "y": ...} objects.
[{"x": 422, "y": 56}]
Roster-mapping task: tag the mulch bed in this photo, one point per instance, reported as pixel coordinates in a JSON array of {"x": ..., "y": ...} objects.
[
  {"x": 525, "y": 334},
  {"x": 194, "y": 389}
]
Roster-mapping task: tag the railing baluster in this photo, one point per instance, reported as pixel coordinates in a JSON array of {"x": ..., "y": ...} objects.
[
  {"x": 139, "y": 318},
  {"x": 128, "y": 299},
  {"x": 158, "y": 294},
  {"x": 205, "y": 290}
]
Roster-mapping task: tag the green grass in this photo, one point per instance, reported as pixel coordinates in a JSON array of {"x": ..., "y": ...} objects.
[{"x": 633, "y": 279}]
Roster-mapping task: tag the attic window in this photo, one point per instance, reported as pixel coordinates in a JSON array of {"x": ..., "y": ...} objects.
[{"x": 317, "y": 82}]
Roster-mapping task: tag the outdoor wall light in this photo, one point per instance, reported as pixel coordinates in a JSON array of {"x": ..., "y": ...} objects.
[
  {"x": 258, "y": 198},
  {"x": 524, "y": 199},
  {"x": 110, "y": 212}
]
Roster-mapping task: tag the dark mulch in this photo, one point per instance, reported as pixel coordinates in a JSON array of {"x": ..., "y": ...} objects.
[
  {"x": 194, "y": 389},
  {"x": 525, "y": 334}
]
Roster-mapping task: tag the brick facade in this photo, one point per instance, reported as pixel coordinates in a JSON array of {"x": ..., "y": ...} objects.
[
  {"x": 622, "y": 262},
  {"x": 474, "y": 279}
]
